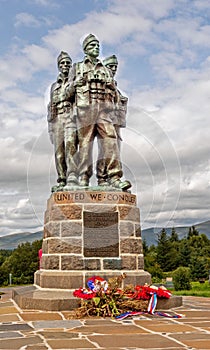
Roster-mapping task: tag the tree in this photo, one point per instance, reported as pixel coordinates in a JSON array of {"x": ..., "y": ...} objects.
[
  {"x": 198, "y": 268},
  {"x": 192, "y": 232},
  {"x": 184, "y": 252},
  {"x": 170, "y": 253},
  {"x": 151, "y": 265},
  {"x": 195, "y": 232},
  {"x": 181, "y": 278},
  {"x": 4, "y": 253},
  {"x": 174, "y": 236},
  {"x": 145, "y": 247},
  {"x": 22, "y": 263},
  {"x": 165, "y": 252}
]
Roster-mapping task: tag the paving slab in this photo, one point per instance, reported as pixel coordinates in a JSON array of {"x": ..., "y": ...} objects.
[
  {"x": 192, "y": 320},
  {"x": 9, "y": 318},
  {"x": 167, "y": 328},
  {"x": 5, "y": 310},
  {"x": 56, "y": 324},
  {"x": 191, "y": 336},
  {"x": 196, "y": 340},
  {"x": 199, "y": 324},
  {"x": 6, "y": 303},
  {"x": 36, "y": 316},
  {"x": 111, "y": 329},
  {"x": 199, "y": 344},
  {"x": 9, "y": 335},
  {"x": 58, "y": 334},
  {"x": 95, "y": 321},
  {"x": 196, "y": 314},
  {"x": 15, "y": 327},
  {"x": 18, "y": 343},
  {"x": 36, "y": 347},
  {"x": 73, "y": 344},
  {"x": 143, "y": 341}
]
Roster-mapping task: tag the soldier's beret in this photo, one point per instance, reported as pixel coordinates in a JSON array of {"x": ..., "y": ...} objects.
[
  {"x": 110, "y": 60},
  {"x": 62, "y": 55},
  {"x": 88, "y": 40}
]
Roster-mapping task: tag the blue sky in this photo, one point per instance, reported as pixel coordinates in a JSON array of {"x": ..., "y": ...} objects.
[{"x": 163, "y": 49}]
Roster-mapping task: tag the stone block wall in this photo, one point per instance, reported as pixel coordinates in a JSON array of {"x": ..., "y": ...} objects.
[{"x": 88, "y": 233}]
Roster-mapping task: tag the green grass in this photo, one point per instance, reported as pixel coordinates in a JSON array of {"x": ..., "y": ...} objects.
[{"x": 198, "y": 289}]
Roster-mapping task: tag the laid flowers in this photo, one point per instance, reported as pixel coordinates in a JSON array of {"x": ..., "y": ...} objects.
[{"x": 107, "y": 298}]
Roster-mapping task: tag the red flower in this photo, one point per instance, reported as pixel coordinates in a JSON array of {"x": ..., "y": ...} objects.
[
  {"x": 84, "y": 294},
  {"x": 145, "y": 292}
]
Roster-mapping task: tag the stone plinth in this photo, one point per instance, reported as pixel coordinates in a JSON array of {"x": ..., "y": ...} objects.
[
  {"x": 34, "y": 298},
  {"x": 86, "y": 233},
  {"x": 90, "y": 233}
]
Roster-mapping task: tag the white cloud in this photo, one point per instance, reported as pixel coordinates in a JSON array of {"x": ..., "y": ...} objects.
[
  {"x": 27, "y": 20},
  {"x": 39, "y": 57},
  {"x": 46, "y": 3}
]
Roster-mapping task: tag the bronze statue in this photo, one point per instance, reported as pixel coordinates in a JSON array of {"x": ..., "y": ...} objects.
[
  {"x": 85, "y": 104},
  {"x": 93, "y": 89},
  {"x": 62, "y": 126},
  {"x": 118, "y": 117}
]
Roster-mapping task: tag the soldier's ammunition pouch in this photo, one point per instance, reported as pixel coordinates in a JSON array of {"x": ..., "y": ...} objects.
[
  {"x": 63, "y": 107},
  {"x": 98, "y": 87},
  {"x": 121, "y": 111},
  {"x": 52, "y": 112}
]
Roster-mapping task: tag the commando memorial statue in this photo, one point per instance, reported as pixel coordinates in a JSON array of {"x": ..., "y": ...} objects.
[
  {"x": 88, "y": 230},
  {"x": 85, "y": 104}
]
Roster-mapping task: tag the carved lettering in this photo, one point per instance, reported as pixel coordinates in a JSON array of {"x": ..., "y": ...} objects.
[
  {"x": 88, "y": 197},
  {"x": 96, "y": 196}
]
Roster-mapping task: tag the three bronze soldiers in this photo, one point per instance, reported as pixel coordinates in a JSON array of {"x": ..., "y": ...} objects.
[{"x": 85, "y": 104}]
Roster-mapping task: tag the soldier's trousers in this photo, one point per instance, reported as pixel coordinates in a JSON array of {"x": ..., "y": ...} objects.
[
  {"x": 92, "y": 123},
  {"x": 101, "y": 171},
  {"x": 65, "y": 147}
]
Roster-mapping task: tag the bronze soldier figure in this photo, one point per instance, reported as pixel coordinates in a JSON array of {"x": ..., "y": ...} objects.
[
  {"x": 118, "y": 119},
  {"x": 95, "y": 95},
  {"x": 62, "y": 126}
]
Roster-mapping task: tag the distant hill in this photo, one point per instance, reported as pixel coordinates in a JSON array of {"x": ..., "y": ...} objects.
[
  {"x": 13, "y": 240},
  {"x": 150, "y": 234}
]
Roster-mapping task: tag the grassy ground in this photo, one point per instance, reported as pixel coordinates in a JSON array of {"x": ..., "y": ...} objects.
[{"x": 198, "y": 289}]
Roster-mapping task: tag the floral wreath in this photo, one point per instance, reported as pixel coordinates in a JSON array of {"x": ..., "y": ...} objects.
[{"x": 100, "y": 292}]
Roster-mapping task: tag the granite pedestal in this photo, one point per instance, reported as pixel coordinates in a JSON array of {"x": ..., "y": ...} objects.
[{"x": 86, "y": 233}]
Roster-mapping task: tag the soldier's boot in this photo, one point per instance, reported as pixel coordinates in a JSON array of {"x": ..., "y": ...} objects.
[
  {"x": 84, "y": 181},
  {"x": 71, "y": 183},
  {"x": 122, "y": 185},
  {"x": 59, "y": 186}
]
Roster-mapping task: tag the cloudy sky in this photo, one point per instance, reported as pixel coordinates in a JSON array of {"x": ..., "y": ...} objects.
[{"x": 163, "y": 48}]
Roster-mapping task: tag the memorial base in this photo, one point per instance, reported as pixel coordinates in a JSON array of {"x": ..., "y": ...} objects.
[
  {"x": 34, "y": 298},
  {"x": 86, "y": 233},
  {"x": 66, "y": 280}
]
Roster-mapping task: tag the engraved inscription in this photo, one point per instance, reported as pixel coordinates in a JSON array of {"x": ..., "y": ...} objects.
[
  {"x": 94, "y": 197},
  {"x": 101, "y": 236}
]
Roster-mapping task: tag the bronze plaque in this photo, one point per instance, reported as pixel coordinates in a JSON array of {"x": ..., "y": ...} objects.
[{"x": 101, "y": 236}]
